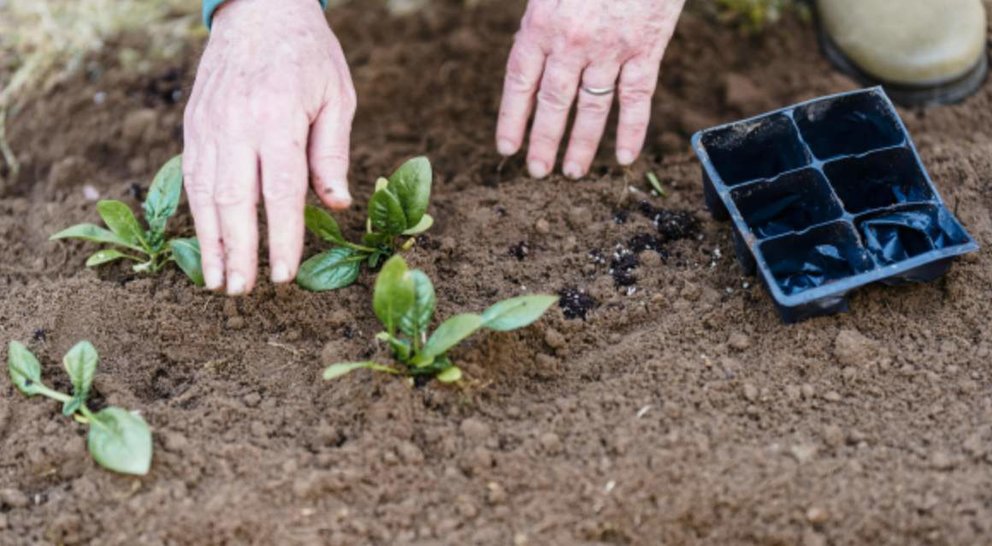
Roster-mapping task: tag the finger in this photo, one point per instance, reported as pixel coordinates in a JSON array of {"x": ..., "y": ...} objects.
[
  {"x": 236, "y": 198},
  {"x": 284, "y": 187},
  {"x": 329, "y": 149},
  {"x": 554, "y": 101},
  {"x": 199, "y": 166},
  {"x": 523, "y": 72},
  {"x": 638, "y": 80},
  {"x": 590, "y": 118}
]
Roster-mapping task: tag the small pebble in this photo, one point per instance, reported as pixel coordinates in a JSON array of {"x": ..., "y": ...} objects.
[
  {"x": 739, "y": 342},
  {"x": 542, "y": 226},
  {"x": 832, "y": 396},
  {"x": 807, "y": 391},
  {"x": 496, "y": 494},
  {"x": 803, "y": 452},
  {"x": 13, "y": 498},
  {"x": 750, "y": 392},
  {"x": 475, "y": 430},
  {"x": 833, "y": 436},
  {"x": 554, "y": 339},
  {"x": 551, "y": 443},
  {"x": 817, "y": 515},
  {"x": 941, "y": 460}
]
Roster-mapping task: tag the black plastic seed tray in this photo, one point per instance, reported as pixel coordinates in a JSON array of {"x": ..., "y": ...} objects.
[{"x": 827, "y": 196}]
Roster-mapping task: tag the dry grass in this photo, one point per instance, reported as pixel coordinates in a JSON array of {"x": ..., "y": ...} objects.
[{"x": 44, "y": 42}]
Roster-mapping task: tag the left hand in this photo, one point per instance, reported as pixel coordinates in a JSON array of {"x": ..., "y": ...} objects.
[{"x": 569, "y": 47}]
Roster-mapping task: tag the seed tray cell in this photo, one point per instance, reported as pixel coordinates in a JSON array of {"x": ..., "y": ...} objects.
[{"x": 825, "y": 197}]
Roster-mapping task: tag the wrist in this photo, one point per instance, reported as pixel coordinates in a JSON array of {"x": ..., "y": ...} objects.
[{"x": 212, "y": 8}]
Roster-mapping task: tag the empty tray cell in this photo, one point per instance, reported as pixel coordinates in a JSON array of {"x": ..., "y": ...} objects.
[
  {"x": 756, "y": 149},
  {"x": 820, "y": 256},
  {"x": 878, "y": 180},
  {"x": 791, "y": 202},
  {"x": 898, "y": 235},
  {"x": 848, "y": 125}
]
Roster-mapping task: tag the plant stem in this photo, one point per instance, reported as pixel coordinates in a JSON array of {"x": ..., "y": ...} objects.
[
  {"x": 53, "y": 394},
  {"x": 359, "y": 248},
  {"x": 90, "y": 417}
]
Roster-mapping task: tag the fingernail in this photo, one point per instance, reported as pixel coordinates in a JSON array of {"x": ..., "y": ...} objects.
[
  {"x": 572, "y": 170},
  {"x": 625, "y": 157},
  {"x": 537, "y": 168},
  {"x": 342, "y": 198},
  {"x": 213, "y": 278},
  {"x": 235, "y": 284},
  {"x": 280, "y": 273},
  {"x": 505, "y": 147}
]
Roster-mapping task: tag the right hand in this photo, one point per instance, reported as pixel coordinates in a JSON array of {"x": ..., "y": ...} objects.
[{"x": 271, "y": 107}]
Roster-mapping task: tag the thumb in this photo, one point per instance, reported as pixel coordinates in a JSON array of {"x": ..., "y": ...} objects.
[{"x": 330, "y": 139}]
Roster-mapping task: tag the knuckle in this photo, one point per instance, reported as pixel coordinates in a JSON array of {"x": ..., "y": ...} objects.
[
  {"x": 554, "y": 96},
  {"x": 635, "y": 95},
  {"x": 283, "y": 188},
  {"x": 517, "y": 80},
  {"x": 599, "y": 106},
  {"x": 197, "y": 190},
  {"x": 229, "y": 195}
]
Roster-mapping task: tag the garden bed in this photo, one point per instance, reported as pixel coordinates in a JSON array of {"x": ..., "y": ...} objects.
[{"x": 665, "y": 402}]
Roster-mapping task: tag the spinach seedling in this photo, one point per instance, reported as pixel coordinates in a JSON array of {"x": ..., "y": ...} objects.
[
  {"x": 148, "y": 248},
  {"x": 118, "y": 439},
  {"x": 404, "y": 302},
  {"x": 397, "y": 212}
]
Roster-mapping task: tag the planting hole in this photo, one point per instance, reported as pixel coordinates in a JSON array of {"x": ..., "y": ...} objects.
[
  {"x": 853, "y": 124},
  {"x": 894, "y": 236},
  {"x": 792, "y": 202},
  {"x": 882, "y": 179},
  {"x": 753, "y": 150},
  {"x": 817, "y": 257}
]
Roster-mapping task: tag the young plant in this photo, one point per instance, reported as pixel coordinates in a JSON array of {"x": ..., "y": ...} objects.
[
  {"x": 404, "y": 302},
  {"x": 148, "y": 248},
  {"x": 118, "y": 440},
  {"x": 397, "y": 212}
]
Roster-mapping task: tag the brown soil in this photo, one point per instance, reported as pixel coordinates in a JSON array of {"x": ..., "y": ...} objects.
[{"x": 680, "y": 411}]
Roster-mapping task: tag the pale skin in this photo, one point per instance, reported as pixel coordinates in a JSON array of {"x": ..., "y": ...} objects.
[{"x": 271, "y": 111}]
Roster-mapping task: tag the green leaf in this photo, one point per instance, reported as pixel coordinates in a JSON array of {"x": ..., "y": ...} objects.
[
  {"x": 450, "y": 333},
  {"x": 186, "y": 254},
  {"x": 335, "y": 371},
  {"x": 95, "y": 234},
  {"x": 516, "y": 312},
  {"x": 121, "y": 221},
  {"x": 418, "y": 318},
  {"x": 386, "y": 213},
  {"x": 80, "y": 362},
  {"x": 121, "y": 441},
  {"x": 394, "y": 294},
  {"x": 450, "y": 375},
  {"x": 163, "y": 195},
  {"x": 411, "y": 184},
  {"x": 322, "y": 224},
  {"x": 335, "y": 268},
  {"x": 24, "y": 369},
  {"x": 425, "y": 223},
  {"x": 108, "y": 255}
]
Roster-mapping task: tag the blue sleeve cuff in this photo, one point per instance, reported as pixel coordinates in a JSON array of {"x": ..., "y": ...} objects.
[{"x": 210, "y": 6}]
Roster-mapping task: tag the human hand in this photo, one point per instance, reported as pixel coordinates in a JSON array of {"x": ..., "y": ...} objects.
[
  {"x": 271, "y": 107},
  {"x": 567, "y": 44}
]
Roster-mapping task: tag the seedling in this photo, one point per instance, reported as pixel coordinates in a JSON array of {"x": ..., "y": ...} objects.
[
  {"x": 656, "y": 184},
  {"x": 397, "y": 212},
  {"x": 148, "y": 248},
  {"x": 404, "y": 302},
  {"x": 118, "y": 439}
]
